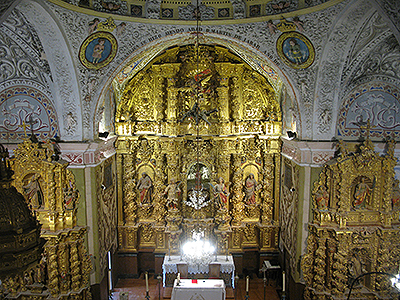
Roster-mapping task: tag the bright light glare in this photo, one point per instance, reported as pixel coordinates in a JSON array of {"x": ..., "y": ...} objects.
[
  {"x": 198, "y": 248},
  {"x": 396, "y": 281}
]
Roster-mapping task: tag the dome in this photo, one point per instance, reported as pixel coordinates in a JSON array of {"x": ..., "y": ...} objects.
[{"x": 19, "y": 231}]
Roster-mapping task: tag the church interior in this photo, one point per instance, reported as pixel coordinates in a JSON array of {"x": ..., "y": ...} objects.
[{"x": 163, "y": 141}]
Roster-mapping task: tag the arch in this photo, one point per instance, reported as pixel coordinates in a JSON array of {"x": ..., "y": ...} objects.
[
  {"x": 65, "y": 88},
  {"x": 139, "y": 59},
  {"x": 330, "y": 69}
]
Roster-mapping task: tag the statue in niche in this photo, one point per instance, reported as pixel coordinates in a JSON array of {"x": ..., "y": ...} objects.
[
  {"x": 250, "y": 188},
  {"x": 361, "y": 195},
  {"x": 221, "y": 194},
  {"x": 173, "y": 192},
  {"x": 356, "y": 267},
  {"x": 322, "y": 198},
  {"x": 33, "y": 192},
  {"x": 145, "y": 187}
]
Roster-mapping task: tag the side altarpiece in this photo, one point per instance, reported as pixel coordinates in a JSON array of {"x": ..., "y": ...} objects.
[{"x": 355, "y": 226}]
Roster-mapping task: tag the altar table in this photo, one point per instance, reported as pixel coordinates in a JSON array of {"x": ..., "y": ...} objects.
[
  {"x": 170, "y": 269},
  {"x": 207, "y": 289}
]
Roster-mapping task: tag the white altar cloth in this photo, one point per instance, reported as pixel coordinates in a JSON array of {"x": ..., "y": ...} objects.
[
  {"x": 170, "y": 266},
  {"x": 204, "y": 289}
]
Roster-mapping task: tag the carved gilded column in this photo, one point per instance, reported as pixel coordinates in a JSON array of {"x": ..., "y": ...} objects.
[
  {"x": 63, "y": 262},
  {"x": 236, "y": 191},
  {"x": 160, "y": 177},
  {"x": 158, "y": 92},
  {"x": 129, "y": 183},
  {"x": 120, "y": 177},
  {"x": 52, "y": 266},
  {"x": 75, "y": 266},
  {"x": 268, "y": 188},
  {"x": 223, "y": 96},
  {"x": 320, "y": 263}
]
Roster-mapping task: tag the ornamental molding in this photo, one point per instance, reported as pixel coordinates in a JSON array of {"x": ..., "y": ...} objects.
[{"x": 316, "y": 154}]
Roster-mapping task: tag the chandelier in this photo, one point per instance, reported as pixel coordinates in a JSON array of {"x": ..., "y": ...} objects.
[
  {"x": 198, "y": 251},
  {"x": 198, "y": 197}
]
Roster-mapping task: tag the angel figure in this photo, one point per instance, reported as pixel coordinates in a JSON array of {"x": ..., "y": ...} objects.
[
  {"x": 221, "y": 193},
  {"x": 173, "y": 192},
  {"x": 271, "y": 27}
]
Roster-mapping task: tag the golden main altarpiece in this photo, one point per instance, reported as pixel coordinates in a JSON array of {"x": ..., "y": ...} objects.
[
  {"x": 355, "y": 226},
  {"x": 198, "y": 121}
]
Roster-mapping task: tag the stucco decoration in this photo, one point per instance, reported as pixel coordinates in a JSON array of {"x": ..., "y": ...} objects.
[
  {"x": 239, "y": 9},
  {"x": 153, "y": 8},
  {"x": 21, "y": 105},
  {"x": 25, "y": 60},
  {"x": 115, "y": 6},
  {"x": 277, "y": 7},
  {"x": 391, "y": 11},
  {"x": 189, "y": 12},
  {"x": 65, "y": 86},
  {"x": 334, "y": 52},
  {"x": 147, "y": 40},
  {"x": 377, "y": 102},
  {"x": 384, "y": 59}
]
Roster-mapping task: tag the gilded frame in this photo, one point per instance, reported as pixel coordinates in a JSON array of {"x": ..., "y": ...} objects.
[
  {"x": 98, "y": 50},
  {"x": 295, "y": 50}
]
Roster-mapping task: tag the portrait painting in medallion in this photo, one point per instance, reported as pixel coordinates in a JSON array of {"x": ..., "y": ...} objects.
[
  {"x": 295, "y": 50},
  {"x": 98, "y": 50}
]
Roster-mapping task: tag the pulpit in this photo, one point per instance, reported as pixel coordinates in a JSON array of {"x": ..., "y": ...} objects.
[{"x": 190, "y": 289}]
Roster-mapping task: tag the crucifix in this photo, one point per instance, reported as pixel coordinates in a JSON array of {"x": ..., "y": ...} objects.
[
  {"x": 23, "y": 126},
  {"x": 31, "y": 123}
]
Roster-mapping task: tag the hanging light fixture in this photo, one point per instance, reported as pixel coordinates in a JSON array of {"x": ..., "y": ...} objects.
[
  {"x": 198, "y": 250},
  {"x": 197, "y": 197}
]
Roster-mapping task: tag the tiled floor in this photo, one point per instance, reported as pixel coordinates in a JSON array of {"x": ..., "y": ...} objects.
[{"x": 136, "y": 289}]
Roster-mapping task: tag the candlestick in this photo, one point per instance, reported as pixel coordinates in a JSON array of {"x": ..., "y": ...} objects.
[
  {"x": 283, "y": 281},
  {"x": 147, "y": 282},
  {"x": 247, "y": 283}
]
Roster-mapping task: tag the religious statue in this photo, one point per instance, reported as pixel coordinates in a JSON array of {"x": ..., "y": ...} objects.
[
  {"x": 221, "y": 194},
  {"x": 361, "y": 194},
  {"x": 356, "y": 267},
  {"x": 70, "y": 196},
  {"x": 33, "y": 192},
  {"x": 322, "y": 197},
  {"x": 250, "y": 188},
  {"x": 173, "y": 192},
  {"x": 145, "y": 187}
]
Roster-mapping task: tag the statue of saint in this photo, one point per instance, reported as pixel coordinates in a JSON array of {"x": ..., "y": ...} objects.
[
  {"x": 250, "y": 188},
  {"x": 145, "y": 187},
  {"x": 361, "y": 194},
  {"x": 322, "y": 197},
  {"x": 173, "y": 192},
  {"x": 221, "y": 194},
  {"x": 33, "y": 192}
]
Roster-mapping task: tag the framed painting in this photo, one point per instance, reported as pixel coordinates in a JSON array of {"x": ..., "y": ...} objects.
[
  {"x": 295, "y": 50},
  {"x": 98, "y": 50}
]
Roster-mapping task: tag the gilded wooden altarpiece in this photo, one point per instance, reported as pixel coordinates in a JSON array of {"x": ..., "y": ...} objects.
[
  {"x": 355, "y": 226},
  {"x": 50, "y": 191},
  {"x": 233, "y": 145}
]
